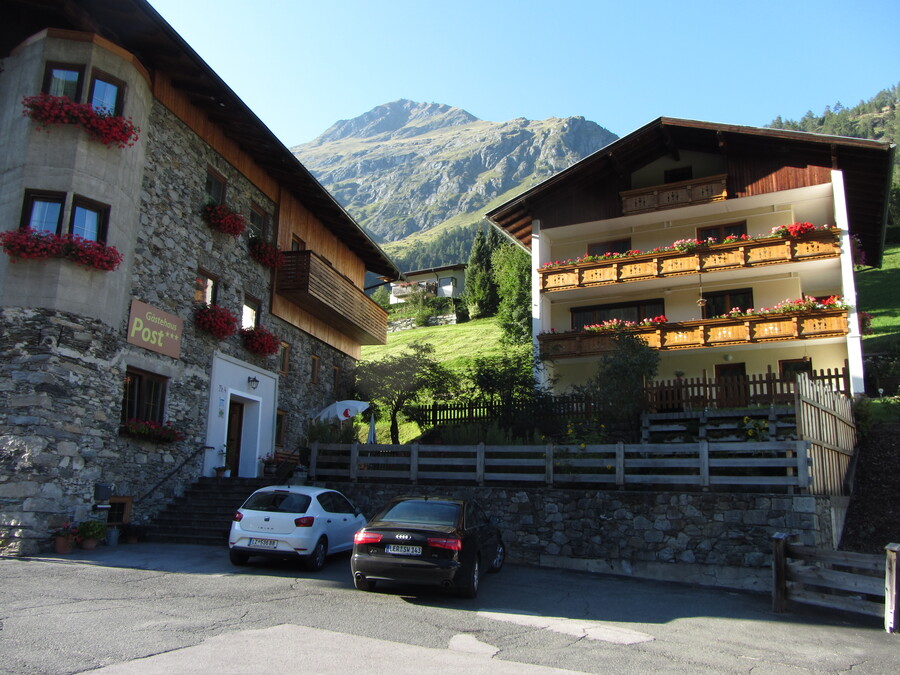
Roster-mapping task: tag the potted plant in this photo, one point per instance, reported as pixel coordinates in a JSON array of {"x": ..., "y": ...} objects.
[
  {"x": 220, "y": 471},
  {"x": 215, "y": 320},
  {"x": 269, "y": 465},
  {"x": 64, "y": 537},
  {"x": 260, "y": 341},
  {"x": 264, "y": 253},
  {"x": 219, "y": 217},
  {"x": 90, "y": 532}
]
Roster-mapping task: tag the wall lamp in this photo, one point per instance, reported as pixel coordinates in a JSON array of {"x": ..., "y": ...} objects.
[{"x": 253, "y": 382}]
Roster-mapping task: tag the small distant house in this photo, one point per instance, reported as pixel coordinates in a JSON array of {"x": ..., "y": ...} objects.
[{"x": 448, "y": 281}]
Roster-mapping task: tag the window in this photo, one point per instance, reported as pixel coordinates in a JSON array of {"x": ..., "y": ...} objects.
[
  {"x": 63, "y": 79},
  {"x": 335, "y": 503},
  {"x": 250, "y": 314},
  {"x": 284, "y": 358},
  {"x": 790, "y": 367},
  {"x": 679, "y": 174},
  {"x": 336, "y": 381},
  {"x": 297, "y": 244},
  {"x": 626, "y": 311},
  {"x": 89, "y": 219},
  {"x": 314, "y": 369},
  {"x": 215, "y": 187},
  {"x": 106, "y": 93},
  {"x": 206, "y": 288},
  {"x": 280, "y": 426},
  {"x": 259, "y": 222},
  {"x": 43, "y": 211},
  {"x": 719, "y": 232},
  {"x": 145, "y": 396},
  {"x": 722, "y": 302},
  {"x": 617, "y": 246}
]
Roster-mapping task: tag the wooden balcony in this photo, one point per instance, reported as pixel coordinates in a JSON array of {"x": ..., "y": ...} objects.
[
  {"x": 745, "y": 254},
  {"x": 745, "y": 330},
  {"x": 313, "y": 284},
  {"x": 428, "y": 288},
  {"x": 682, "y": 193}
]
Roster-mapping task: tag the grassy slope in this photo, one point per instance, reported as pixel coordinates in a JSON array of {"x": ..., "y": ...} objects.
[
  {"x": 878, "y": 293},
  {"x": 455, "y": 347}
]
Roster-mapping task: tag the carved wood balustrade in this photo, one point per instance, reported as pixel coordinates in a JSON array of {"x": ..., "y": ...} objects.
[
  {"x": 744, "y": 254},
  {"x": 701, "y": 334}
]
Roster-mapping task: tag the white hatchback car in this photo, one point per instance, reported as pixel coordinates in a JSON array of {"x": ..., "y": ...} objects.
[{"x": 288, "y": 521}]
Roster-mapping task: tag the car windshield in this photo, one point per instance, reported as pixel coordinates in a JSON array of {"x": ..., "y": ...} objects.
[
  {"x": 420, "y": 511},
  {"x": 280, "y": 502}
]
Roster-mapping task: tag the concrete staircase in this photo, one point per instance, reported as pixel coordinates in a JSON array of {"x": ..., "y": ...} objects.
[{"x": 203, "y": 514}]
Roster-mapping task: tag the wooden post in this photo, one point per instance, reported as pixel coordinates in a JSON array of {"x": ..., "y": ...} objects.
[
  {"x": 354, "y": 462},
  {"x": 803, "y": 481},
  {"x": 414, "y": 463},
  {"x": 779, "y": 571},
  {"x": 703, "y": 447},
  {"x": 548, "y": 464},
  {"x": 479, "y": 464},
  {"x": 891, "y": 589},
  {"x": 313, "y": 459},
  {"x": 620, "y": 464}
]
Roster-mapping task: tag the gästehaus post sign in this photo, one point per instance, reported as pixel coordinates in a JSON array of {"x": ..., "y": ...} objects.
[{"x": 154, "y": 329}]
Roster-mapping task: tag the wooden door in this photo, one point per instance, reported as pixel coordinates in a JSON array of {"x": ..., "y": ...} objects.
[
  {"x": 233, "y": 436},
  {"x": 732, "y": 388}
]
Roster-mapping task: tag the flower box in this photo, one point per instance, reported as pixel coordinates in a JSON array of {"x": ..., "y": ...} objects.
[
  {"x": 101, "y": 126},
  {"x": 152, "y": 431},
  {"x": 265, "y": 254},
  {"x": 219, "y": 217},
  {"x": 28, "y": 244},
  {"x": 260, "y": 341},
  {"x": 215, "y": 320}
]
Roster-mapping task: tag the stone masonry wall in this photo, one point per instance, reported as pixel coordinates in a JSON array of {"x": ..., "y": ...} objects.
[
  {"x": 62, "y": 375},
  {"x": 717, "y": 539}
]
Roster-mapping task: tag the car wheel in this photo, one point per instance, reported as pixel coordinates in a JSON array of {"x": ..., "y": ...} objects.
[
  {"x": 238, "y": 558},
  {"x": 469, "y": 586},
  {"x": 363, "y": 584},
  {"x": 315, "y": 561},
  {"x": 499, "y": 558}
]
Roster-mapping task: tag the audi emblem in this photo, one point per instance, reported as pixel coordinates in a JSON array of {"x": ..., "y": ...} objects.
[{"x": 403, "y": 536}]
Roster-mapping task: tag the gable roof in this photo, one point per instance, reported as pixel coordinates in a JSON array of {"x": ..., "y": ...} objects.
[
  {"x": 866, "y": 164},
  {"x": 137, "y": 27}
]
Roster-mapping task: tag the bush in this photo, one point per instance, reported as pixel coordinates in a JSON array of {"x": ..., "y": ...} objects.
[{"x": 92, "y": 529}]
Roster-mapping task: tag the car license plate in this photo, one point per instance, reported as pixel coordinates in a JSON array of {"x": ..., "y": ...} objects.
[
  {"x": 263, "y": 543},
  {"x": 401, "y": 549}
]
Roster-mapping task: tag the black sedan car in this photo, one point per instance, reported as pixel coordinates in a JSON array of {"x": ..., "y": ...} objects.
[{"x": 428, "y": 540}]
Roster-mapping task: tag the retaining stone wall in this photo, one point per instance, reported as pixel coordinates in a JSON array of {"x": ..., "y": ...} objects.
[{"x": 717, "y": 539}]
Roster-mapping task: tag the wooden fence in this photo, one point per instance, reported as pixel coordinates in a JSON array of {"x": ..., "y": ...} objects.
[
  {"x": 740, "y": 391},
  {"x": 825, "y": 419},
  {"x": 681, "y": 394},
  {"x": 855, "y": 582},
  {"x": 773, "y": 466}
]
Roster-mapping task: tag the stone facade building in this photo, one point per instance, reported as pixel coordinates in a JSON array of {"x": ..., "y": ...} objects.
[{"x": 87, "y": 344}]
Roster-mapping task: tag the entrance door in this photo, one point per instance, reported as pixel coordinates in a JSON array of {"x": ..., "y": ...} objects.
[
  {"x": 233, "y": 436},
  {"x": 732, "y": 388}
]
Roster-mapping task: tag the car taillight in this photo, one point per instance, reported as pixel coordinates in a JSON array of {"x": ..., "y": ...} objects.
[
  {"x": 237, "y": 516},
  {"x": 363, "y": 537},
  {"x": 304, "y": 521},
  {"x": 453, "y": 543}
]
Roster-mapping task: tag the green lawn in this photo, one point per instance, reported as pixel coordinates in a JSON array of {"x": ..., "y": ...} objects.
[
  {"x": 455, "y": 346},
  {"x": 878, "y": 293}
]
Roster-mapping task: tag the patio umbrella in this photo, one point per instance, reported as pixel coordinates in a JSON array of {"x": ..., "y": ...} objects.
[{"x": 342, "y": 410}]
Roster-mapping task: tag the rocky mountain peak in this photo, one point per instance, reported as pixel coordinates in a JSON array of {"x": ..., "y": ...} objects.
[{"x": 400, "y": 119}]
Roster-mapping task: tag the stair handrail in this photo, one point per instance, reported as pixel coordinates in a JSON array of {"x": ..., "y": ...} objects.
[{"x": 173, "y": 472}]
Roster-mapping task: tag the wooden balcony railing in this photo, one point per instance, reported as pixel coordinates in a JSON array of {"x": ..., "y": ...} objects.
[
  {"x": 682, "y": 193},
  {"x": 821, "y": 244},
  {"x": 429, "y": 288},
  {"x": 311, "y": 283},
  {"x": 700, "y": 334}
]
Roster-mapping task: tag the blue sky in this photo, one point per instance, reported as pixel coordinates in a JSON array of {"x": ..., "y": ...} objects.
[{"x": 302, "y": 65}]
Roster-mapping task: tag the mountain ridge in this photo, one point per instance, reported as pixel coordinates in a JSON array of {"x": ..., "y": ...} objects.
[{"x": 405, "y": 168}]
